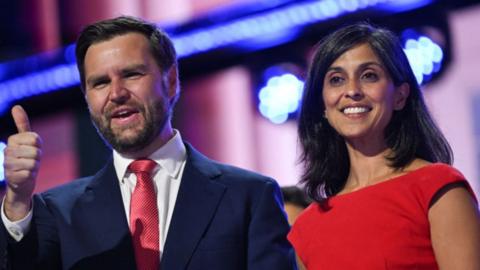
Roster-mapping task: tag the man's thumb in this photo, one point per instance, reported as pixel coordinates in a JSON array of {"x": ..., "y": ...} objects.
[{"x": 20, "y": 118}]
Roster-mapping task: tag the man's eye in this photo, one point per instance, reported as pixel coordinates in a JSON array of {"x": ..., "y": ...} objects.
[
  {"x": 99, "y": 84},
  {"x": 133, "y": 74}
]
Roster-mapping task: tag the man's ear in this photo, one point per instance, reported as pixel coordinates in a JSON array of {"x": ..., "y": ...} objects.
[
  {"x": 400, "y": 97},
  {"x": 172, "y": 84}
]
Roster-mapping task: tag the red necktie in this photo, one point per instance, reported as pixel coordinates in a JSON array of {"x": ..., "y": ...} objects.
[{"x": 144, "y": 216}]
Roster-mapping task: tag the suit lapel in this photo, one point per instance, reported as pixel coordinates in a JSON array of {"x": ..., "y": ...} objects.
[
  {"x": 197, "y": 201},
  {"x": 102, "y": 208}
]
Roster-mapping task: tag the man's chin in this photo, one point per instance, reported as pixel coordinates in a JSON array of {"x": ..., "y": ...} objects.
[
  {"x": 126, "y": 149},
  {"x": 127, "y": 146},
  {"x": 126, "y": 134}
]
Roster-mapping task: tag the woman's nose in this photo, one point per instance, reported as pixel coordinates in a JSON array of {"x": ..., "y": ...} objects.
[{"x": 354, "y": 91}]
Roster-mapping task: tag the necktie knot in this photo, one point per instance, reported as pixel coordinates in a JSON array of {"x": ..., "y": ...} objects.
[{"x": 142, "y": 166}]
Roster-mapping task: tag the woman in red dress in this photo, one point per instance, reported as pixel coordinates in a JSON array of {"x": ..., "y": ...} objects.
[{"x": 377, "y": 165}]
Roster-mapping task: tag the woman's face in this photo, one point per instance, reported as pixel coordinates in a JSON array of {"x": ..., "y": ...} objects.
[{"x": 359, "y": 95}]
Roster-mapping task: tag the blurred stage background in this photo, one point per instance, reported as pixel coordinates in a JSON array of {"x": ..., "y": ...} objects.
[{"x": 242, "y": 65}]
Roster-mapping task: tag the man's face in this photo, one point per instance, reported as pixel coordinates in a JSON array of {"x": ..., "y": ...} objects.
[{"x": 127, "y": 94}]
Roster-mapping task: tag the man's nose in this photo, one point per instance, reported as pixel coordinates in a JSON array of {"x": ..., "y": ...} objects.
[{"x": 118, "y": 91}]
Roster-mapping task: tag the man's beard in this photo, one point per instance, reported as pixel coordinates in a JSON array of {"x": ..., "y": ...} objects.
[{"x": 155, "y": 116}]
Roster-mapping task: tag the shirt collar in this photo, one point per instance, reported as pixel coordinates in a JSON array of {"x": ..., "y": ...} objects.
[{"x": 170, "y": 157}]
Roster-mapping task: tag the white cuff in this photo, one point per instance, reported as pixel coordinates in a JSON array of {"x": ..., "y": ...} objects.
[{"x": 17, "y": 229}]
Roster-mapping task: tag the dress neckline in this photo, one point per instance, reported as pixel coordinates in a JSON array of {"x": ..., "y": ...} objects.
[{"x": 385, "y": 182}]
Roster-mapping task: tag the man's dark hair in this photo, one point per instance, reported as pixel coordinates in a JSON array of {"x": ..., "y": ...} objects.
[
  {"x": 160, "y": 44},
  {"x": 410, "y": 134}
]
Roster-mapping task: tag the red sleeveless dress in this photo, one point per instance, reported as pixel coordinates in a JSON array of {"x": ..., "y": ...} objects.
[{"x": 383, "y": 226}]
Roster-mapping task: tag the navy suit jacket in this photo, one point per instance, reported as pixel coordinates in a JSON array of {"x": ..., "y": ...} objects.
[{"x": 224, "y": 218}]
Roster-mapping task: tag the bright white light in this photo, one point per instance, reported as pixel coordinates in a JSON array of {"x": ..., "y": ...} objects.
[
  {"x": 424, "y": 57},
  {"x": 2, "y": 175},
  {"x": 349, "y": 5},
  {"x": 280, "y": 97}
]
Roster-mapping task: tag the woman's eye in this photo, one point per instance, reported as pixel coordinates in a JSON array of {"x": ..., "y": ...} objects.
[
  {"x": 370, "y": 76},
  {"x": 335, "y": 80}
]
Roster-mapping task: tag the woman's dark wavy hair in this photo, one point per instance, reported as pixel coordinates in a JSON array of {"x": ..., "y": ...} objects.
[
  {"x": 410, "y": 134},
  {"x": 160, "y": 44}
]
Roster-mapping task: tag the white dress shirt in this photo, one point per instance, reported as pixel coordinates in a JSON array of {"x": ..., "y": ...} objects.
[{"x": 171, "y": 159}]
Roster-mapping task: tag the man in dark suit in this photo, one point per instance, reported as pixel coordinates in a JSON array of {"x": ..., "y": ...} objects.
[{"x": 158, "y": 203}]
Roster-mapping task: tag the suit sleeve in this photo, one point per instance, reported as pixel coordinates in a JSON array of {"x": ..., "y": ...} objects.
[
  {"x": 268, "y": 247},
  {"x": 38, "y": 249}
]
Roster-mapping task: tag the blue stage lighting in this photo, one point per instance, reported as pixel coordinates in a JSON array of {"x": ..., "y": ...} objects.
[
  {"x": 2, "y": 175},
  {"x": 403, "y": 5},
  {"x": 69, "y": 54},
  {"x": 280, "y": 97},
  {"x": 424, "y": 55},
  {"x": 55, "y": 70},
  {"x": 53, "y": 79},
  {"x": 349, "y": 5},
  {"x": 282, "y": 19}
]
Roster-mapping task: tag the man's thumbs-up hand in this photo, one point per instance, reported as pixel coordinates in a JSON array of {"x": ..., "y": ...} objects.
[{"x": 21, "y": 165}]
